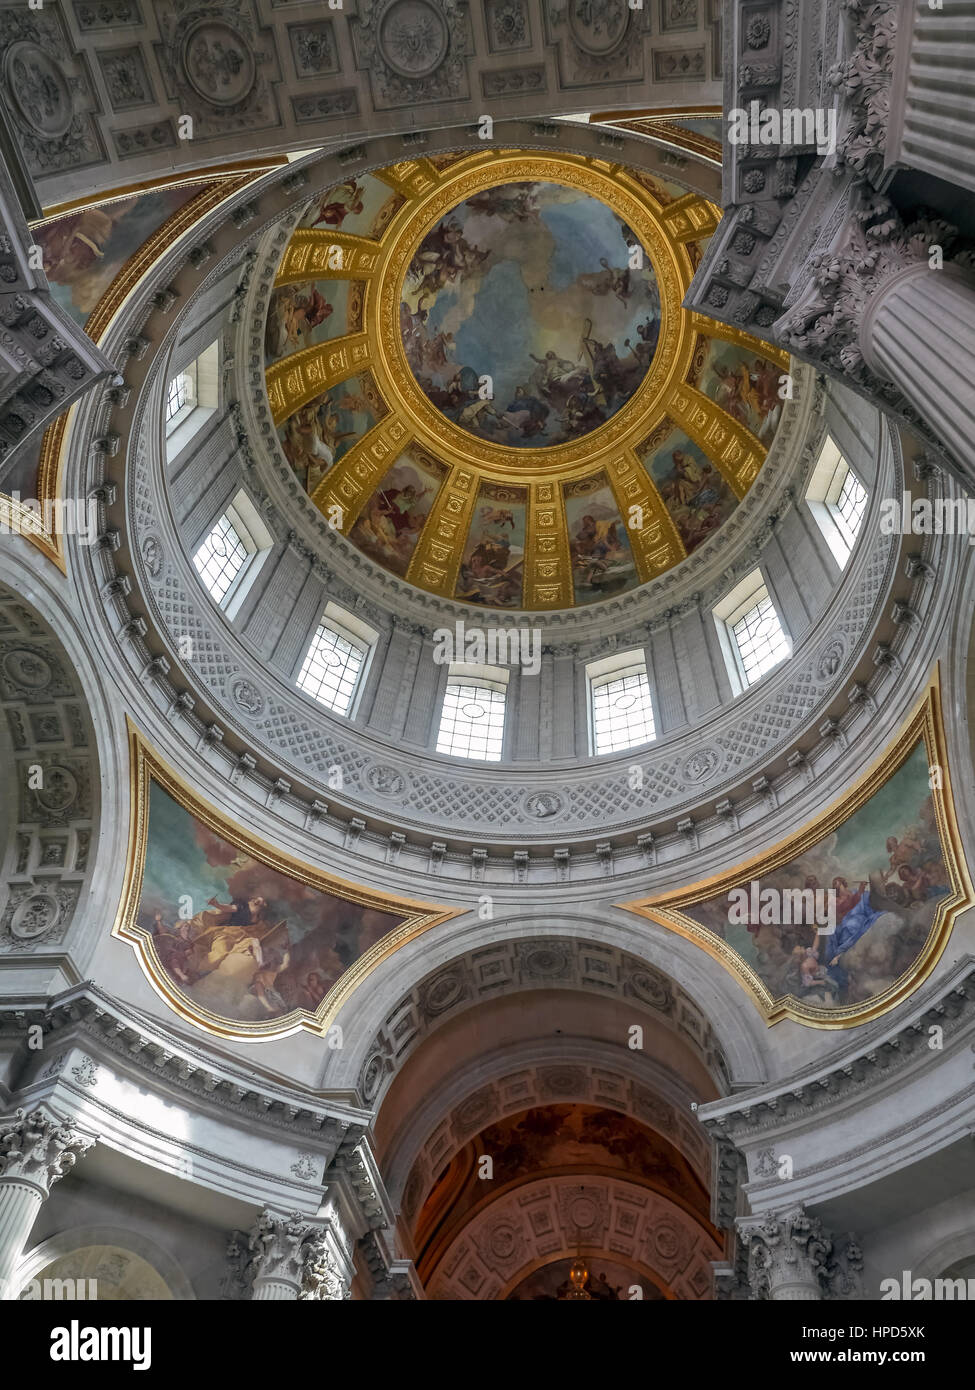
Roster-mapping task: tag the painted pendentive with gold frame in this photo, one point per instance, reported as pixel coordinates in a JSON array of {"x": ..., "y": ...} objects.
[
  {"x": 240, "y": 938},
  {"x": 891, "y": 851}
]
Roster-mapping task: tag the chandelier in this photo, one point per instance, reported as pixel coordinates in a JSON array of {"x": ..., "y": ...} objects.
[{"x": 578, "y": 1279}]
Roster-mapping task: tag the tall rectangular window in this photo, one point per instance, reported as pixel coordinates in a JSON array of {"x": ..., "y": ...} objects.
[
  {"x": 837, "y": 500},
  {"x": 232, "y": 552},
  {"x": 332, "y": 668},
  {"x": 761, "y": 642},
  {"x": 192, "y": 397},
  {"x": 181, "y": 394},
  {"x": 472, "y": 718},
  {"x": 750, "y": 632},
  {"x": 221, "y": 557},
  {"x": 620, "y": 704}
]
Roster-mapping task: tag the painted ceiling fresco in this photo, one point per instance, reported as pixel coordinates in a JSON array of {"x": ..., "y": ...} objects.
[
  {"x": 524, "y": 320},
  {"x": 237, "y": 937},
  {"x": 882, "y": 881},
  {"x": 480, "y": 369}
]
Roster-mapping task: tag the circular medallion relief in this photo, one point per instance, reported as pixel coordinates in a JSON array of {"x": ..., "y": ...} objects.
[
  {"x": 218, "y": 62},
  {"x": 34, "y": 917},
  {"x": 39, "y": 88},
  {"x": 27, "y": 669},
  {"x": 598, "y": 25},
  {"x": 530, "y": 314},
  {"x": 413, "y": 38}
]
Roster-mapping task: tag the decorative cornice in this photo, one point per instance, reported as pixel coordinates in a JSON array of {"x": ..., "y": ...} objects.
[
  {"x": 130, "y": 1041},
  {"x": 881, "y": 1052}
]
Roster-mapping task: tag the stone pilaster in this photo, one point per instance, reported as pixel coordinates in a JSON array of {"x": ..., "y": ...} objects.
[{"x": 35, "y": 1150}]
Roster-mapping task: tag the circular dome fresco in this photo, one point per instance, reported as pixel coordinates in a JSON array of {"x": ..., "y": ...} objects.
[{"x": 481, "y": 372}]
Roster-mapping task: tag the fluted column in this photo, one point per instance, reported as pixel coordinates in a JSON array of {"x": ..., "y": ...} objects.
[
  {"x": 788, "y": 1256},
  {"x": 918, "y": 331},
  {"x": 35, "y": 1151},
  {"x": 290, "y": 1259}
]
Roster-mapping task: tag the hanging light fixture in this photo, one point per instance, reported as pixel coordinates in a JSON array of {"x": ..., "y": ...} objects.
[{"x": 578, "y": 1279}]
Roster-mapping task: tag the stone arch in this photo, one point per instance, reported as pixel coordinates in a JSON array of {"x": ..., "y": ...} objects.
[
  {"x": 431, "y": 980},
  {"x": 561, "y": 1216},
  {"x": 486, "y": 1090},
  {"x": 125, "y": 1263},
  {"x": 50, "y": 752}
]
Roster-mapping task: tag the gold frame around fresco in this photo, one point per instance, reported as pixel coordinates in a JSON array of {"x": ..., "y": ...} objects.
[
  {"x": 213, "y": 190},
  {"x": 665, "y": 909},
  {"x": 145, "y": 767}
]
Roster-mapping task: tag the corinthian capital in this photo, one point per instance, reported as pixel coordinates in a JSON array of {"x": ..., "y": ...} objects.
[
  {"x": 877, "y": 245},
  {"x": 293, "y": 1251},
  {"x": 788, "y": 1255},
  {"x": 275, "y": 1247},
  {"x": 321, "y": 1279},
  {"x": 37, "y": 1149}
]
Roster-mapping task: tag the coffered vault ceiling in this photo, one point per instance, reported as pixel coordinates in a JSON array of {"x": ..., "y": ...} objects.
[{"x": 481, "y": 372}]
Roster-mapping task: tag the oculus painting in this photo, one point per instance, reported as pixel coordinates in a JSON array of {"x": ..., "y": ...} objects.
[
  {"x": 544, "y": 290},
  {"x": 896, "y": 882},
  {"x": 240, "y": 938}
]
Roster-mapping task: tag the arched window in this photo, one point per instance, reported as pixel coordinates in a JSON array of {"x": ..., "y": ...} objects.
[
  {"x": 472, "y": 717},
  {"x": 751, "y": 633},
  {"x": 620, "y": 704},
  {"x": 336, "y": 660}
]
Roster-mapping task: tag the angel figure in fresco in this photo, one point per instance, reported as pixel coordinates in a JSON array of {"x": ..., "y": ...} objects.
[
  {"x": 337, "y": 204},
  {"x": 293, "y": 312},
  {"x": 610, "y": 280},
  {"x": 311, "y": 439},
  {"x": 737, "y": 394},
  {"x": 595, "y": 546},
  {"x": 688, "y": 478}
]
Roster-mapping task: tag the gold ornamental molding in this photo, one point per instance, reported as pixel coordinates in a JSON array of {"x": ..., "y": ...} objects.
[
  {"x": 394, "y": 377},
  {"x": 146, "y": 768},
  {"x": 548, "y": 563},
  {"x": 713, "y": 328},
  {"x": 422, "y": 194},
  {"x": 691, "y": 218},
  {"x": 670, "y": 910},
  {"x": 655, "y": 542},
  {"x": 348, "y": 485},
  {"x": 436, "y": 559},
  {"x": 736, "y": 451},
  {"x": 311, "y": 254},
  {"x": 298, "y": 379},
  {"x": 412, "y": 177}
]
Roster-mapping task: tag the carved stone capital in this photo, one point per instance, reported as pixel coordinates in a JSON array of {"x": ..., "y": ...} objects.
[
  {"x": 788, "y": 1256},
  {"x": 37, "y": 1149},
  {"x": 863, "y": 79},
  {"x": 294, "y": 1252},
  {"x": 275, "y": 1248},
  {"x": 876, "y": 246},
  {"x": 321, "y": 1279}
]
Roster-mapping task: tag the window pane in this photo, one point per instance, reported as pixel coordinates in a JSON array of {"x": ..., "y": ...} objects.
[
  {"x": 850, "y": 506},
  {"x": 622, "y": 713},
  {"x": 331, "y": 669},
  {"x": 220, "y": 557},
  {"x": 761, "y": 642},
  {"x": 180, "y": 394},
  {"x": 472, "y": 721}
]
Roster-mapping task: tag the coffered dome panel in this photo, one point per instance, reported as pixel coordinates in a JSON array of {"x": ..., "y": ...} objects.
[{"x": 481, "y": 373}]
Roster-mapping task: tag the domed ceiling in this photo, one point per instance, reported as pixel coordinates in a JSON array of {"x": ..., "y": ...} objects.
[{"x": 482, "y": 373}]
